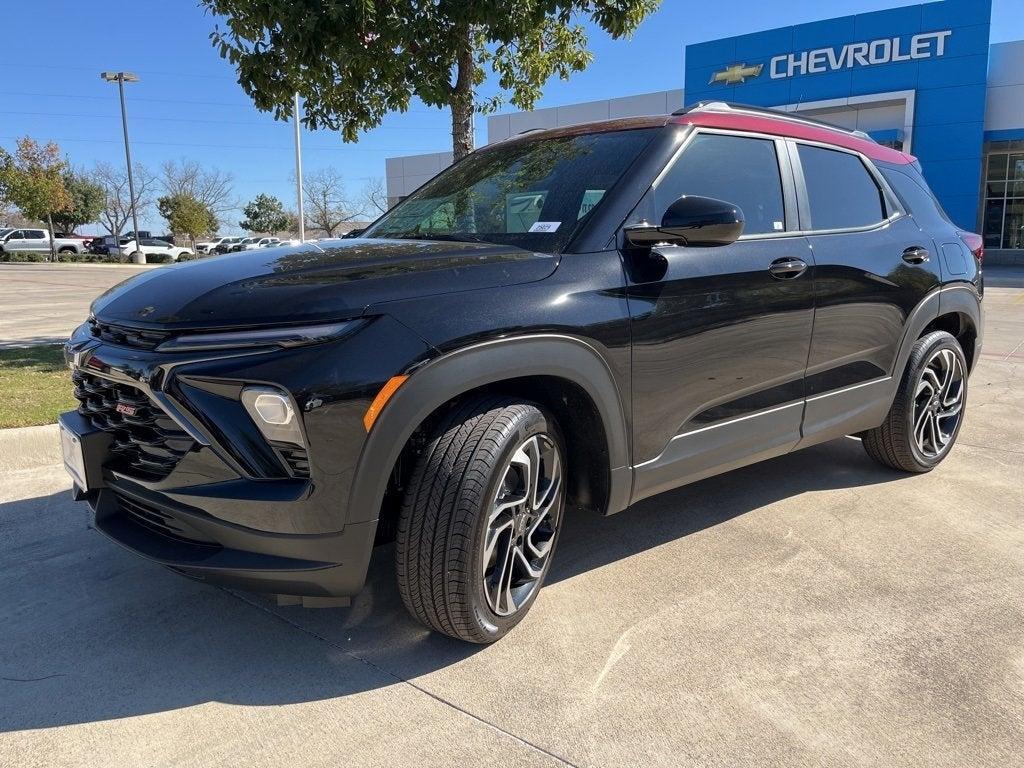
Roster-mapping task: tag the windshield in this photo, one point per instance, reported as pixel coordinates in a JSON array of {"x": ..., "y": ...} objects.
[
  {"x": 250, "y": 240},
  {"x": 531, "y": 194}
]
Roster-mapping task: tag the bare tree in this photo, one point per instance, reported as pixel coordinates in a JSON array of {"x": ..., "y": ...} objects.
[
  {"x": 117, "y": 208},
  {"x": 374, "y": 198},
  {"x": 211, "y": 187},
  {"x": 327, "y": 204}
]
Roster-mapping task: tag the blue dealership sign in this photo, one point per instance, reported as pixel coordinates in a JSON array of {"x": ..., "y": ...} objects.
[{"x": 935, "y": 56}]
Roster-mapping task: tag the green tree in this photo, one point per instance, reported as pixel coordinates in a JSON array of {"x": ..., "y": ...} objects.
[
  {"x": 87, "y": 201},
  {"x": 187, "y": 216},
  {"x": 354, "y": 62},
  {"x": 33, "y": 179},
  {"x": 264, "y": 214}
]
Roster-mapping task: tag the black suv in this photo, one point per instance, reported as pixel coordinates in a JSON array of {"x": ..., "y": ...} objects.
[{"x": 585, "y": 316}]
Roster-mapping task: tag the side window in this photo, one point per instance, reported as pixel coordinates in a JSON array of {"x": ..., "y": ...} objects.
[
  {"x": 35, "y": 234},
  {"x": 17, "y": 235},
  {"x": 841, "y": 192},
  {"x": 739, "y": 170}
]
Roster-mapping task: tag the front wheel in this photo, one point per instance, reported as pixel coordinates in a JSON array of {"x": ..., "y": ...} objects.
[
  {"x": 925, "y": 418},
  {"x": 480, "y": 519}
]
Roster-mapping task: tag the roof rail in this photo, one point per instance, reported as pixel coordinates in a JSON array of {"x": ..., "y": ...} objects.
[{"x": 726, "y": 106}]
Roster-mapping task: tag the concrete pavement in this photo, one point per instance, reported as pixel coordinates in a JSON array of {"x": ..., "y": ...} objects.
[
  {"x": 813, "y": 610},
  {"x": 43, "y": 303}
]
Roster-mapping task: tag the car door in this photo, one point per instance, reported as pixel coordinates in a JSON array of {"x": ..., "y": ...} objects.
[
  {"x": 15, "y": 241},
  {"x": 720, "y": 334},
  {"x": 37, "y": 240},
  {"x": 872, "y": 266}
]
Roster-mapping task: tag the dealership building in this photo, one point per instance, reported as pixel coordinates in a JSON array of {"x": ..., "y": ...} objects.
[{"x": 921, "y": 78}]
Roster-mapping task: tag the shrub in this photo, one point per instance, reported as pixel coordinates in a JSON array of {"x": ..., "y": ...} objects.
[{"x": 23, "y": 256}]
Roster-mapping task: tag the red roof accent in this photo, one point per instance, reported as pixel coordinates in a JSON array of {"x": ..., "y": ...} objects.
[{"x": 794, "y": 130}]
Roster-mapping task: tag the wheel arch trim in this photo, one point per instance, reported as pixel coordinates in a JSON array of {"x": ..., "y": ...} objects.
[
  {"x": 455, "y": 373},
  {"x": 962, "y": 299}
]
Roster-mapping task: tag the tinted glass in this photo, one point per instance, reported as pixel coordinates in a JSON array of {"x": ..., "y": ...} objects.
[
  {"x": 841, "y": 191},
  {"x": 917, "y": 199},
  {"x": 528, "y": 193},
  {"x": 35, "y": 234},
  {"x": 741, "y": 171}
]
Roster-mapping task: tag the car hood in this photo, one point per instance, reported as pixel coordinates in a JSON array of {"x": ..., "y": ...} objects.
[{"x": 330, "y": 280}]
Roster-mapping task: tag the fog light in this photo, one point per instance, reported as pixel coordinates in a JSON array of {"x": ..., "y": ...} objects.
[
  {"x": 273, "y": 408},
  {"x": 272, "y": 411}
]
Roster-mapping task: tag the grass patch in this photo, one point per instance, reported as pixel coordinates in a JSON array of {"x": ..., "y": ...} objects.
[{"x": 35, "y": 386}]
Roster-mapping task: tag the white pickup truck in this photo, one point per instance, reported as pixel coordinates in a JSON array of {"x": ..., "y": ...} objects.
[{"x": 30, "y": 239}]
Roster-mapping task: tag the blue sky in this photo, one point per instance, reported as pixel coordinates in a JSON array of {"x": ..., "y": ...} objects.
[{"x": 188, "y": 104}]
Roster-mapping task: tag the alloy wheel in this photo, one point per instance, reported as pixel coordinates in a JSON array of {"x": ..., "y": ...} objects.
[
  {"x": 938, "y": 403},
  {"x": 521, "y": 525}
]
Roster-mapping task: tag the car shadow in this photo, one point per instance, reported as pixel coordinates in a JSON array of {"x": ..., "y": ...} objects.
[{"x": 89, "y": 632}]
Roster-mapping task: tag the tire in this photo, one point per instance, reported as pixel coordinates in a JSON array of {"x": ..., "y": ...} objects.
[
  {"x": 475, "y": 464},
  {"x": 66, "y": 249},
  {"x": 925, "y": 418}
]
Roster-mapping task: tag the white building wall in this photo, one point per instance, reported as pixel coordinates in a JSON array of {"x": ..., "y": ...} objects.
[
  {"x": 501, "y": 127},
  {"x": 1004, "y": 108},
  {"x": 407, "y": 173}
]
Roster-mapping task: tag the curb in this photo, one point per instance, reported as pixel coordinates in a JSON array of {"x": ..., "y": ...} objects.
[{"x": 29, "y": 448}]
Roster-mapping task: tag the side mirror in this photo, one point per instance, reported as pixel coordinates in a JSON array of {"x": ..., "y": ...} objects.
[{"x": 691, "y": 220}]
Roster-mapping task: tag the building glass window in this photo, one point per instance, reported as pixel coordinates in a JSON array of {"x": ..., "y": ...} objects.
[{"x": 1003, "y": 217}]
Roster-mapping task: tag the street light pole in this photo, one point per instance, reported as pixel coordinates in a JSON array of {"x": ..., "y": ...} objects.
[
  {"x": 298, "y": 171},
  {"x": 121, "y": 78}
]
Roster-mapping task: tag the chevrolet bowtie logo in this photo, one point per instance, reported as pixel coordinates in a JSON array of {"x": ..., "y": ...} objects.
[{"x": 737, "y": 73}]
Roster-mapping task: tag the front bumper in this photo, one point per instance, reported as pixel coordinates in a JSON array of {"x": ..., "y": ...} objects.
[
  {"x": 201, "y": 547},
  {"x": 225, "y": 512}
]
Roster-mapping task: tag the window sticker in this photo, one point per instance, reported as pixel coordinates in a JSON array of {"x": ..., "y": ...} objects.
[
  {"x": 523, "y": 209},
  {"x": 591, "y": 197},
  {"x": 545, "y": 226},
  {"x": 778, "y": 225}
]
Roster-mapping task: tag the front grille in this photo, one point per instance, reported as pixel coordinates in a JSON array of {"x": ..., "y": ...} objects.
[
  {"x": 146, "y": 440},
  {"x": 158, "y": 521},
  {"x": 125, "y": 336},
  {"x": 296, "y": 458}
]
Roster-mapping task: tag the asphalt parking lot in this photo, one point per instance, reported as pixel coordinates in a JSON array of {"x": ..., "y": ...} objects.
[{"x": 813, "y": 610}]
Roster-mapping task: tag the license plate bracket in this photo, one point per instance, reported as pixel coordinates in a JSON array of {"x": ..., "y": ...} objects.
[
  {"x": 84, "y": 448},
  {"x": 74, "y": 457}
]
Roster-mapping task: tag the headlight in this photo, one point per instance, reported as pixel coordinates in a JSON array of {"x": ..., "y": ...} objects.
[
  {"x": 272, "y": 411},
  {"x": 270, "y": 337}
]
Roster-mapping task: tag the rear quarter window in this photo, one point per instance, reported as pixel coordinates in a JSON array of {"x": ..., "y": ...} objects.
[{"x": 917, "y": 199}]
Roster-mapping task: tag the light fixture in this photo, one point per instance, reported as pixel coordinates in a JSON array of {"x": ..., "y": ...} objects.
[
  {"x": 264, "y": 337},
  {"x": 272, "y": 411}
]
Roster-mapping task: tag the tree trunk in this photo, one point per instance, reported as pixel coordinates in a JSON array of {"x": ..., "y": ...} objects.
[
  {"x": 462, "y": 98},
  {"x": 53, "y": 247}
]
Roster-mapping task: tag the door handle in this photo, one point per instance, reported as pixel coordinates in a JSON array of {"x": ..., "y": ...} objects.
[
  {"x": 915, "y": 254},
  {"x": 787, "y": 268}
]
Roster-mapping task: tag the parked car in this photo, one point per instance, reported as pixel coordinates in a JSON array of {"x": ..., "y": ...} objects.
[
  {"x": 107, "y": 245},
  {"x": 583, "y": 316},
  {"x": 151, "y": 247},
  {"x": 215, "y": 245},
  {"x": 32, "y": 239},
  {"x": 252, "y": 243},
  {"x": 241, "y": 244}
]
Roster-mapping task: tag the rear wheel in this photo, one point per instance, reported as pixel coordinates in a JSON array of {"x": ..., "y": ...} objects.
[
  {"x": 925, "y": 418},
  {"x": 480, "y": 520}
]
